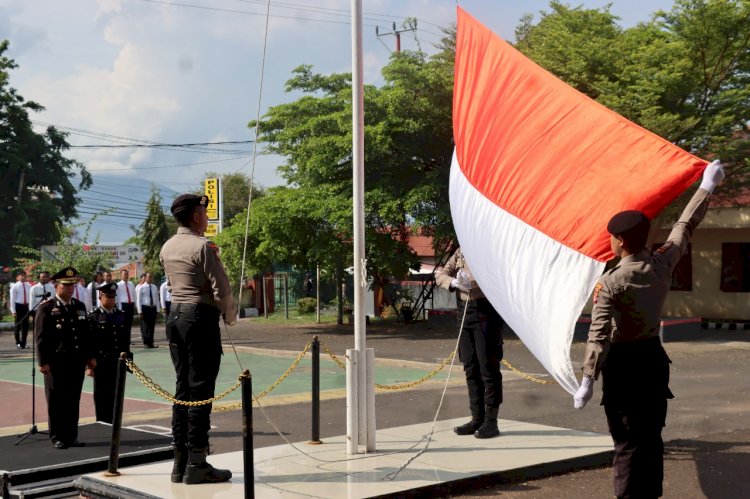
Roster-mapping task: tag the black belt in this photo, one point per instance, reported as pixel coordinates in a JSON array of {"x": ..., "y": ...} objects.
[{"x": 194, "y": 307}]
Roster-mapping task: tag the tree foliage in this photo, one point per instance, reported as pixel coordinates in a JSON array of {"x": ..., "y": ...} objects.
[
  {"x": 684, "y": 75},
  {"x": 37, "y": 193},
  {"x": 153, "y": 234},
  {"x": 408, "y": 147}
]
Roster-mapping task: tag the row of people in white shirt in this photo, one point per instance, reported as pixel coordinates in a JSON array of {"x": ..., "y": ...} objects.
[{"x": 22, "y": 292}]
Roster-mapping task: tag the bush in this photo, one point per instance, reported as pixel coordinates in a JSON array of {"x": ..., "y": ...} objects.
[{"x": 306, "y": 305}]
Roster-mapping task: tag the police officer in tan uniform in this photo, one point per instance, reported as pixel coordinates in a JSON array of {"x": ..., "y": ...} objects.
[
  {"x": 65, "y": 348},
  {"x": 480, "y": 347},
  {"x": 111, "y": 338},
  {"x": 201, "y": 295},
  {"x": 624, "y": 345}
]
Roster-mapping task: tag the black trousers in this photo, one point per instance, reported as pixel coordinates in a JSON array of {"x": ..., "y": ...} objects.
[
  {"x": 148, "y": 324},
  {"x": 635, "y": 392},
  {"x": 195, "y": 348},
  {"x": 62, "y": 388},
  {"x": 105, "y": 382},
  {"x": 480, "y": 349},
  {"x": 129, "y": 309},
  {"x": 22, "y": 324}
]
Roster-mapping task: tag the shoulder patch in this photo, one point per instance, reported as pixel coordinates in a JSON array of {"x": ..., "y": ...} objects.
[
  {"x": 597, "y": 288},
  {"x": 664, "y": 247}
]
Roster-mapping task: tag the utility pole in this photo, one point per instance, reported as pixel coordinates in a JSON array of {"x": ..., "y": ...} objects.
[{"x": 397, "y": 33}]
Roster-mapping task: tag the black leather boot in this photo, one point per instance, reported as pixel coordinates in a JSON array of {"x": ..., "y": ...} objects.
[
  {"x": 477, "y": 416},
  {"x": 198, "y": 470},
  {"x": 489, "y": 427},
  {"x": 180, "y": 462}
]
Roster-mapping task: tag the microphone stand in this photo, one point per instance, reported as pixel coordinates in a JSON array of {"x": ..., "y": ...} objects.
[{"x": 33, "y": 430}]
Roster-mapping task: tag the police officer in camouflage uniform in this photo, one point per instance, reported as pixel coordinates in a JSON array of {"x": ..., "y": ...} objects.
[
  {"x": 111, "y": 337},
  {"x": 624, "y": 345},
  {"x": 65, "y": 347},
  {"x": 480, "y": 347},
  {"x": 201, "y": 295}
]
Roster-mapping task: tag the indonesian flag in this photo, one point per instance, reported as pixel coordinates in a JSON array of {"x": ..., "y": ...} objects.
[{"x": 538, "y": 171}]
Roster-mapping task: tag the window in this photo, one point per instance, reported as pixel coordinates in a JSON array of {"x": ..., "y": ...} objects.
[{"x": 735, "y": 267}]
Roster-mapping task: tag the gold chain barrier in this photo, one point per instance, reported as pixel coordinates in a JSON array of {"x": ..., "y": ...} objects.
[
  {"x": 403, "y": 386},
  {"x": 161, "y": 392}
]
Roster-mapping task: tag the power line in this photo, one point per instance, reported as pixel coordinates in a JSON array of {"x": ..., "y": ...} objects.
[{"x": 105, "y": 146}]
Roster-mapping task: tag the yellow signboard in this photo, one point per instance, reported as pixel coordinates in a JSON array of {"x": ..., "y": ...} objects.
[
  {"x": 212, "y": 230},
  {"x": 212, "y": 192}
]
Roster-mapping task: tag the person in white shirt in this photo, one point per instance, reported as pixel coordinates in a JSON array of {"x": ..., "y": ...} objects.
[
  {"x": 81, "y": 293},
  {"x": 147, "y": 303},
  {"x": 41, "y": 291},
  {"x": 165, "y": 298},
  {"x": 20, "y": 295},
  {"x": 97, "y": 281},
  {"x": 126, "y": 298}
]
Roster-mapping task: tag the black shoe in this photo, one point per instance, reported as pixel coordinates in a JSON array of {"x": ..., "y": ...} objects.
[
  {"x": 180, "y": 463},
  {"x": 199, "y": 471},
  {"x": 205, "y": 473},
  {"x": 489, "y": 427},
  {"x": 468, "y": 428},
  {"x": 77, "y": 443},
  {"x": 154, "y": 346},
  {"x": 59, "y": 444}
]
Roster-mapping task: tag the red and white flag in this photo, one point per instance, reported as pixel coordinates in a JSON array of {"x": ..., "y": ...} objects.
[{"x": 538, "y": 171}]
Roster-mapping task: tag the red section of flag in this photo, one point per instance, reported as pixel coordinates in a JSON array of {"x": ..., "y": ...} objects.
[{"x": 550, "y": 155}]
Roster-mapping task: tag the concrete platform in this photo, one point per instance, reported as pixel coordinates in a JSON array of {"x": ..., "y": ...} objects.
[{"x": 523, "y": 451}]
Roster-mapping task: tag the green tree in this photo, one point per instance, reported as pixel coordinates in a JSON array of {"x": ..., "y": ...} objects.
[
  {"x": 684, "y": 75},
  {"x": 408, "y": 147},
  {"x": 153, "y": 234},
  {"x": 37, "y": 193}
]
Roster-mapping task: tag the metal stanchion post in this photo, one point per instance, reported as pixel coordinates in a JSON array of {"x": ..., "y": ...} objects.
[
  {"x": 315, "y": 437},
  {"x": 114, "y": 445},
  {"x": 247, "y": 434}
]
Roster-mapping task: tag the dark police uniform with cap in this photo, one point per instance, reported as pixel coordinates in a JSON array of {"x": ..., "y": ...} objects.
[
  {"x": 111, "y": 337},
  {"x": 200, "y": 294},
  {"x": 624, "y": 345},
  {"x": 65, "y": 346},
  {"x": 480, "y": 349}
]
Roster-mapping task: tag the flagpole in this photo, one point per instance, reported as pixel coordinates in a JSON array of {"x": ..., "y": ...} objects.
[{"x": 363, "y": 412}]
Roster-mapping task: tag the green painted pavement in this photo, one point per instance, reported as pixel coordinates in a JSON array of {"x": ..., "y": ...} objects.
[{"x": 265, "y": 369}]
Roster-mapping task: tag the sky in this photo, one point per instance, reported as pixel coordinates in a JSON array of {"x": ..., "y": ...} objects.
[{"x": 115, "y": 72}]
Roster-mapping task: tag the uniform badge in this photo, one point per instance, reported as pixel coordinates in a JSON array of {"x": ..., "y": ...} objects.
[
  {"x": 55, "y": 311},
  {"x": 663, "y": 249},
  {"x": 597, "y": 288}
]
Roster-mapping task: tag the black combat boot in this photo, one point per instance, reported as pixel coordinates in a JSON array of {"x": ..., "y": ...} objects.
[
  {"x": 198, "y": 470},
  {"x": 180, "y": 462},
  {"x": 489, "y": 427},
  {"x": 477, "y": 416}
]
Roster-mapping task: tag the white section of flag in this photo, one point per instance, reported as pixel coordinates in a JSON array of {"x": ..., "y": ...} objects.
[{"x": 538, "y": 285}]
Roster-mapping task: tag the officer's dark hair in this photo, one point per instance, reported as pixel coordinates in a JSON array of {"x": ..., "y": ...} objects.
[
  {"x": 635, "y": 239},
  {"x": 97, "y": 274},
  {"x": 185, "y": 216},
  {"x": 20, "y": 272}
]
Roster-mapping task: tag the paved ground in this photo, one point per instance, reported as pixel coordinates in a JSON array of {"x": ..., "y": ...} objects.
[{"x": 707, "y": 434}]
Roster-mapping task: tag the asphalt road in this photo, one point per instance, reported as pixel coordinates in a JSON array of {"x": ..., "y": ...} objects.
[{"x": 707, "y": 435}]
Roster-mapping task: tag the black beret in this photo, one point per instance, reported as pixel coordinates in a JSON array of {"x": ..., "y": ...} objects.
[
  {"x": 187, "y": 201},
  {"x": 108, "y": 288},
  {"x": 628, "y": 220},
  {"x": 68, "y": 275}
]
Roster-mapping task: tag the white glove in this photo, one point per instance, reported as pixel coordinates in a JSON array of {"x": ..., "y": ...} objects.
[
  {"x": 584, "y": 393},
  {"x": 712, "y": 176},
  {"x": 462, "y": 282}
]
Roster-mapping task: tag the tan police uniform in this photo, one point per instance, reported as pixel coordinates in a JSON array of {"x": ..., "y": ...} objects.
[{"x": 624, "y": 346}]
